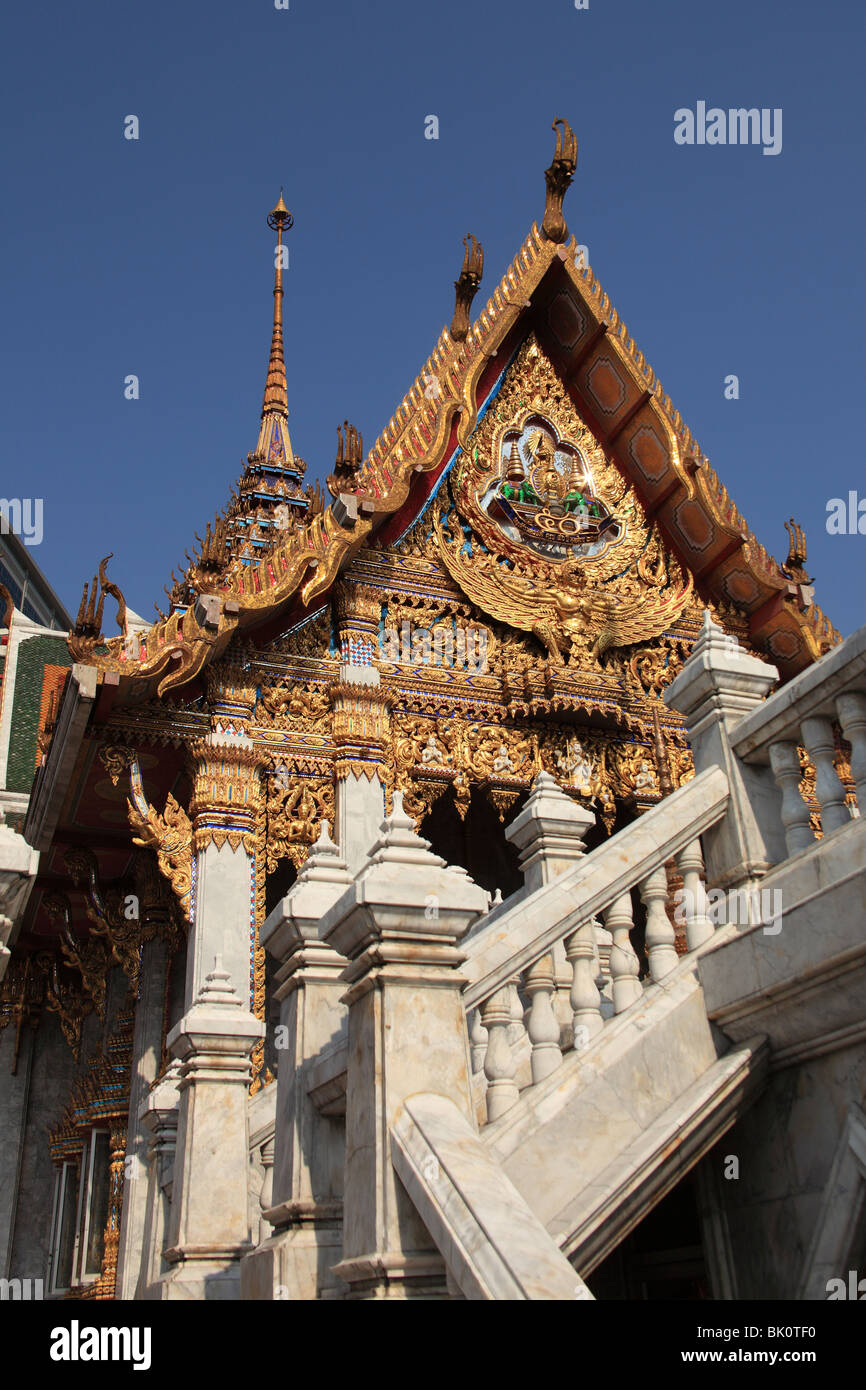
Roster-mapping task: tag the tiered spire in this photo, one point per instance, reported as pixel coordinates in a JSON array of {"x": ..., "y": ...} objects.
[
  {"x": 269, "y": 497},
  {"x": 274, "y": 443}
]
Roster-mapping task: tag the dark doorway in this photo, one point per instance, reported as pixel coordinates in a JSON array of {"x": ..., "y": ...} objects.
[
  {"x": 477, "y": 843},
  {"x": 662, "y": 1258}
]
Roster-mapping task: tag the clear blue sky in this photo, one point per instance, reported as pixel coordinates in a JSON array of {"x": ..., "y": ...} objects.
[{"x": 153, "y": 257}]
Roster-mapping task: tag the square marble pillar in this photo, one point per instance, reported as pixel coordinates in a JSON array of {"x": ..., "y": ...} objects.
[
  {"x": 306, "y": 1207},
  {"x": 399, "y": 925},
  {"x": 717, "y": 687}
]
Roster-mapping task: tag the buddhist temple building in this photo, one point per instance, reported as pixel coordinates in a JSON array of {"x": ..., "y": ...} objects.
[{"x": 399, "y": 914}]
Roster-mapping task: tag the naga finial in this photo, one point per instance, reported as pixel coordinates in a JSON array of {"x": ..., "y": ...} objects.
[
  {"x": 466, "y": 286},
  {"x": 350, "y": 455},
  {"x": 794, "y": 566},
  {"x": 88, "y": 624},
  {"x": 558, "y": 178}
]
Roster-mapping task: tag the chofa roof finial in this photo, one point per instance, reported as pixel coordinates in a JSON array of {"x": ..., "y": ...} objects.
[
  {"x": 466, "y": 286},
  {"x": 794, "y": 566},
  {"x": 558, "y": 177}
]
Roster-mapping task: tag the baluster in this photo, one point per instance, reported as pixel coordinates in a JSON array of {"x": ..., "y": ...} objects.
[
  {"x": 585, "y": 998},
  {"x": 516, "y": 1028},
  {"x": 602, "y": 943},
  {"x": 699, "y": 928},
  {"x": 851, "y": 709},
  {"x": 660, "y": 935},
  {"x": 785, "y": 762},
  {"x": 499, "y": 1065},
  {"x": 477, "y": 1040},
  {"x": 542, "y": 1026},
  {"x": 818, "y": 737},
  {"x": 624, "y": 964}
]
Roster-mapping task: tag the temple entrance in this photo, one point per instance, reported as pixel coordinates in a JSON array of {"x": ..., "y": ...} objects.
[{"x": 477, "y": 843}]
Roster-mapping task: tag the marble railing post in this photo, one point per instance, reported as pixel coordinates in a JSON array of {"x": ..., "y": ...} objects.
[
  {"x": 548, "y": 835},
  {"x": 717, "y": 687},
  {"x": 209, "y": 1228},
  {"x": 399, "y": 926},
  {"x": 305, "y": 1207}
]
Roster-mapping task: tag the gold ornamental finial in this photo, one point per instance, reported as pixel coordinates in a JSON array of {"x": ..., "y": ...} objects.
[
  {"x": 466, "y": 286},
  {"x": 276, "y": 393},
  {"x": 558, "y": 178},
  {"x": 795, "y": 565}
]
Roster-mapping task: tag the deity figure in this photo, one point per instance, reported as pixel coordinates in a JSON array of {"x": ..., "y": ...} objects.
[
  {"x": 577, "y": 766},
  {"x": 432, "y": 753},
  {"x": 550, "y": 483},
  {"x": 646, "y": 779},
  {"x": 502, "y": 762}
]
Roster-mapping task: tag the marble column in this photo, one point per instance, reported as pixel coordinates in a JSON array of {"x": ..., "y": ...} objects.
[
  {"x": 360, "y": 731},
  {"x": 146, "y": 1054},
  {"x": 399, "y": 926},
  {"x": 209, "y": 1225},
  {"x": 361, "y": 726},
  {"x": 158, "y": 1120},
  {"x": 717, "y": 687},
  {"x": 306, "y": 1207},
  {"x": 147, "y": 1039}
]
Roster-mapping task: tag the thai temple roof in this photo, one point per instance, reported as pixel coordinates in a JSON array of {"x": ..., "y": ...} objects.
[{"x": 277, "y": 549}]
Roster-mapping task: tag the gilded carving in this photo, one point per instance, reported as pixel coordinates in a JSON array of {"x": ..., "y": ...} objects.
[
  {"x": 115, "y": 916},
  {"x": 89, "y": 956},
  {"x": 170, "y": 836},
  {"x": 566, "y": 552},
  {"x": 296, "y": 806}
]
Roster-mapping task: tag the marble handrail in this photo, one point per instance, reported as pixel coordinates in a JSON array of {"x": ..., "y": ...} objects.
[
  {"x": 812, "y": 694},
  {"x": 515, "y": 950},
  {"x": 803, "y": 713},
  {"x": 520, "y": 934}
]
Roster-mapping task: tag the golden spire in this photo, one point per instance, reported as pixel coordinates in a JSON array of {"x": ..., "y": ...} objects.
[
  {"x": 276, "y": 394},
  {"x": 274, "y": 446}
]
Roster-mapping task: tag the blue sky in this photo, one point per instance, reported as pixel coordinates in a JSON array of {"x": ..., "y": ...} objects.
[{"x": 153, "y": 256}]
